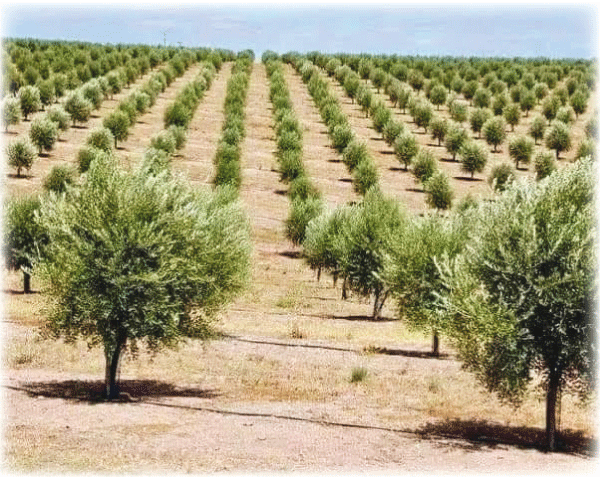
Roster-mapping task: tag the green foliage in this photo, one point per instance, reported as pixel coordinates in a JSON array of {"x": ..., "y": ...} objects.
[
  {"x": 177, "y": 114},
  {"x": 290, "y": 165},
  {"x": 405, "y": 148},
  {"x": 522, "y": 295},
  {"x": 23, "y": 237},
  {"x": 118, "y": 124},
  {"x": 565, "y": 114},
  {"x": 520, "y": 149},
  {"x": 392, "y": 130},
  {"x": 423, "y": 113},
  {"x": 473, "y": 157},
  {"x": 501, "y": 176},
  {"x": 512, "y": 115},
  {"x": 11, "y": 112},
  {"x": 57, "y": 114},
  {"x": 380, "y": 116},
  {"x": 155, "y": 256},
  {"x": 455, "y": 138},
  {"x": 101, "y": 138},
  {"x": 458, "y": 111},
  {"x": 558, "y": 137},
  {"x": 59, "y": 178},
  {"x": 481, "y": 98},
  {"x": 79, "y": 108},
  {"x": 163, "y": 141},
  {"x": 424, "y": 165},
  {"x": 88, "y": 154},
  {"x": 301, "y": 213},
  {"x": 587, "y": 148},
  {"x": 579, "y": 102},
  {"x": 43, "y": 134},
  {"x": 439, "y": 192},
  {"x": 365, "y": 177},
  {"x": 92, "y": 91},
  {"x": 355, "y": 152},
  {"x": 29, "y": 99},
  {"x": 302, "y": 188},
  {"x": 438, "y": 128},
  {"x": 494, "y": 131},
  {"x": 358, "y": 375},
  {"x": 341, "y": 136},
  {"x": 478, "y": 118},
  {"x": 545, "y": 164},
  {"x": 438, "y": 95},
  {"x": 537, "y": 129},
  {"x": 20, "y": 154}
]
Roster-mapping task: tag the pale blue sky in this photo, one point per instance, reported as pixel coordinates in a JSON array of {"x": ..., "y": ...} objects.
[{"x": 556, "y": 31}]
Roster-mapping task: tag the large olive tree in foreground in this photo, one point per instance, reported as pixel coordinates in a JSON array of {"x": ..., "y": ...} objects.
[
  {"x": 140, "y": 257},
  {"x": 522, "y": 294}
]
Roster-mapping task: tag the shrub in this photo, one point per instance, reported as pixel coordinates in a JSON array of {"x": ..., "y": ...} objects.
[
  {"x": 118, "y": 124},
  {"x": 587, "y": 148},
  {"x": 478, "y": 118},
  {"x": 500, "y": 176},
  {"x": 355, "y": 153},
  {"x": 228, "y": 173},
  {"x": 455, "y": 138},
  {"x": 20, "y": 154},
  {"x": 365, "y": 177},
  {"x": 545, "y": 164},
  {"x": 391, "y": 131},
  {"x": 422, "y": 115},
  {"x": 57, "y": 114},
  {"x": 59, "y": 177},
  {"x": 101, "y": 138},
  {"x": 558, "y": 137},
  {"x": 341, "y": 136},
  {"x": 527, "y": 102},
  {"x": 289, "y": 140},
  {"x": 11, "y": 112},
  {"x": 439, "y": 192},
  {"x": 92, "y": 91},
  {"x": 88, "y": 154},
  {"x": 512, "y": 115},
  {"x": 494, "y": 131},
  {"x": 537, "y": 129},
  {"x": 163, "y": 141},
  {"x": 438, "y": 128},
  {"x": 79, "y": 108},
  {"x": 301, "y": 213},
  {"x": 380, "y": 116},
  {"x": 43, "y": 134},
  {"x": 302, "y": 188},
  {"x": 406, "y": 147},
  {"x": 425, "y": 165},
  {"x": 179, "y": 136},
  {"x": 565, "y": 114},
  {"x": 177, "y": 114},
  {"x": 458, "y": 111},
  {"x": 358, "y": 375},
  {"x": 438, "y": 95},
  {"x": 290, "y": 165},
  {"x": 473, "y": 157},
  {"x": 29, "y": 99},
  {"x": 520, "y": 150}
]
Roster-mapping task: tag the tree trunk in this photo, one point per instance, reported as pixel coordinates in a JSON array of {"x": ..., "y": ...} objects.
[
  {"x": 26, "y": 282},
  {"x": 435, "y": 351},
  {"x": 551, "y": 402},
  {"x": 112, "y": 366},
  {"x": 378, "y": 305}
]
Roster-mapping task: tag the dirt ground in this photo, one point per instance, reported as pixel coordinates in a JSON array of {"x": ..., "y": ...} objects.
[{"x": 274, "y": 393}]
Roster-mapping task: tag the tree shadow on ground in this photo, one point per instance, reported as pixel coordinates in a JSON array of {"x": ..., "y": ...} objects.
[
  {"x": 281, "y": 192},
  {"x": 345, "y": 179},
  {"x": 10, "y": 291},
  {"x": 13, "y": 175},
  {"x": 359, "y": 318},
  {"x": 408, "y": 353},
  {"x": 476, "y": 435},
  {"x": 291, "y": 254},
  {"x": 93, "y": 391},
  {"x": 468, "y": 179},
  {"x": 414, "y": 189}
]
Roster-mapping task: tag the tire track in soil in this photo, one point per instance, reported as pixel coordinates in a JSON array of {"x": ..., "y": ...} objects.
[
  {"x": 393, "y": 179},
  {"x": 323, "y": 163},
  {"x": 131, "y": 151},
  {"x": 66, "y": 148},
  {"x": 196, "y": 158}
]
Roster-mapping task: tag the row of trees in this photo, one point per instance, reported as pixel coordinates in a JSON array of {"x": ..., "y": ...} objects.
[{"x": 233, "y": 130}]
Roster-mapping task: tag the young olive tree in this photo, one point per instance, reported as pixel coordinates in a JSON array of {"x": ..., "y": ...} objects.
[
  {"x": 520, "y": 149},
  {"x": 11, "y": 112},
  {"x": 43, "y": 134},
  {"x": 140, "y": 257},
  {"x": 558, "y": 137},
  {"x": 473, "y": 157},
  {"x": 494, "y": 131},
  {"x": 406, "y": 147},
  {"x": 23, "y": 236},
  {"x": 29, "y": 98},
  {"x": 118, "y": 124},
  {"x": 521, "y": 303}
]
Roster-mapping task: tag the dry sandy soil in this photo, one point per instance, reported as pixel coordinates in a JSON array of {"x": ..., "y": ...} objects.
[{"x": 274, "y": 392}]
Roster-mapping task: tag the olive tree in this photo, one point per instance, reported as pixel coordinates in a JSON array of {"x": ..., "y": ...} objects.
[
  {"x": 406, "y": 147},
  {"x": 455, "y": 138},
  {"x": 439, "y": 192},
  {"x": 43, "y": 134},
  {"x": 29, "y": 99},
  {"x": 494, "y": 131},
  {"x": 78, "y": 107},
  {"x": 23, "y": 236},
  {"x": 558, "y": 137},
  {"x": 478, "y": 118},
  {"x": 545, "y": 164},
  {"x": 20, "y": 154},
  {"x": 521, "y": 304},
  {"x": 118, "y": 124},
  {"x": 520, "y": 149},
  {"x": 11, "y": 112},
  {"x": 473, "y": 157},
  {"x": 537, "y": 129},
  {"x": 140, "y": 257}
]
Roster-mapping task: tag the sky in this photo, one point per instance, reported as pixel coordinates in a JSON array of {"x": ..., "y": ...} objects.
[{"x": 545, "y": 29}]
